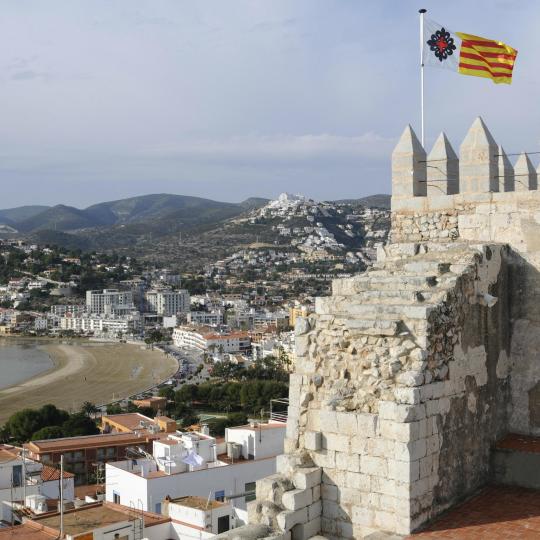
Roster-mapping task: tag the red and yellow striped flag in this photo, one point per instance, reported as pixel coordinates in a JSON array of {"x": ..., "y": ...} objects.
[
  {"x": 467, "y": 54},
  {"x": 483, "y": 57}
]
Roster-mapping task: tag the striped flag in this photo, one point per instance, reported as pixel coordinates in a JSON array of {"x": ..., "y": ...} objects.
[{"x": 468, "y": 54}]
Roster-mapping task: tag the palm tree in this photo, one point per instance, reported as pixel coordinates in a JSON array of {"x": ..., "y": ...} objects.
[{"x": 88, "y": 408}]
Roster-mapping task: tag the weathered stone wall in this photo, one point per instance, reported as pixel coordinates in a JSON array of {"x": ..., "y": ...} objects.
[
  {"x": 386, "y": 390},
  {"x": 419, "y": 227},
  {"x": 409, "y": 373}
]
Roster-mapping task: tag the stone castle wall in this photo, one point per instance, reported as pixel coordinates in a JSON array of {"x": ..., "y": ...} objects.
[{"x": 409, "y": 373}]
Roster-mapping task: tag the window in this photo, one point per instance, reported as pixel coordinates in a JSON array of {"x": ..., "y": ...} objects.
[
  {"x": 17, "y": 479},
  {"x": 219, "y": 495},
  {"x": 249, "y": 489},
  {"x": 116, "y": 497},
  {"x": 223, "y": 524}
]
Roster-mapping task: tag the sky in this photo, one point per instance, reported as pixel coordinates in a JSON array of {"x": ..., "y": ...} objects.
[{"x": 230, "y": 99}]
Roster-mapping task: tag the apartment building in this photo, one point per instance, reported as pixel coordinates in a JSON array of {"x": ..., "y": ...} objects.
[
  {"x": 168, "y": 302},
  {"x": 207, "y": 339},
  {"x": 22, "y": 476},
  {"x": 206, "y": 318},
  {"x": 81, "y": 454},
  {"x": 108, "y": 325},
  {"x": 60, "y": 310},
  {"x": 188, "y": 464},
  {"x": 109, "y": 301}
]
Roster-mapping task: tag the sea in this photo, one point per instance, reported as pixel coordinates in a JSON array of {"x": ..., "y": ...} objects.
[{"x": 21, "y": 359}]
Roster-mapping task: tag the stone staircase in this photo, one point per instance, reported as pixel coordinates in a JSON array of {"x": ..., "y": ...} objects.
[{"x": 370, "y": 385}]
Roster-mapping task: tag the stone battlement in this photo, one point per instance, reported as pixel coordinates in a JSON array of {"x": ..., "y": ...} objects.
[{"x": 482, "y": 167}]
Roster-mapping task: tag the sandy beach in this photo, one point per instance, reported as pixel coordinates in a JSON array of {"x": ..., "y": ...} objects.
[{"x": 88, "y": 371}]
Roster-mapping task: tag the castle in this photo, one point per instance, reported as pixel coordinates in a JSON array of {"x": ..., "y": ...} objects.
[{"x": 408, "y": 374}]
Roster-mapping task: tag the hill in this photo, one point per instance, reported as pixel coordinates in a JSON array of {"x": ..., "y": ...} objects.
[
  {"x": 373, "y": 201},
  {"x": 11, "y": 216}
]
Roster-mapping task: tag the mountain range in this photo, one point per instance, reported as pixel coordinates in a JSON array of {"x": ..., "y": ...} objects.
[{"x": 124, "y": 222}]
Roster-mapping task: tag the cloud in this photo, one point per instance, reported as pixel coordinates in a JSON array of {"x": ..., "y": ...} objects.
[
  {"x": 28, "y": 75},
  {"x": 278, "y": 148}
]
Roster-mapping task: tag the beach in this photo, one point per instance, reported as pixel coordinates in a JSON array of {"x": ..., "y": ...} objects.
[{"x": 88, "y": 371}]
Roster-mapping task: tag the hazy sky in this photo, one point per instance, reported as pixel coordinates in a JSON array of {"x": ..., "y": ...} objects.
[{"x": 228, "y": 99}]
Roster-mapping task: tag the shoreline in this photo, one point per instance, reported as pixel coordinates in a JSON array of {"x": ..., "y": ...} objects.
[{"x": 88, "y": 371}]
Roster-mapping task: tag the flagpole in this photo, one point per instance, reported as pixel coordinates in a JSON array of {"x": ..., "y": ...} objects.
[{"x": 422, "y": 11}]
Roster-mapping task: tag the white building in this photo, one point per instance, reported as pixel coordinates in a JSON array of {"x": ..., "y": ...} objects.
[
  {"x": 167, "y": 302},
  {"x": 108, "y": 301},
  {"x": 20, "y": 478},
  {"x": 211, "y": 517},
  {"x": 182, "y": 466},
  {"x": 62, "y": 309},
  {"x": 212, "y": 318},
  {"x": 204, "y": 339},
  {"x": 106, "y": 325}
]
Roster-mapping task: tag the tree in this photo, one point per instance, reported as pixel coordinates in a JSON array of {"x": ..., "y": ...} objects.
[
  {"x": 23, "y": 424},
  {"x": 79, "y": 425},
  {"x": 49, "y": 432},
  {"x": 114, "y": 408},
  {"x": 88, "y": 408},
  {"x": 52, "y": 415},
  {"x": 167, "y": 392}
]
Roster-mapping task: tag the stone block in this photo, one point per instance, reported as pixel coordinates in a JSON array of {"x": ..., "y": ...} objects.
[
  {"x": 358, "y": 481},
  {"x": 380, "y": 447},
  {"x": 410, "y": 413},
  {"x": 313, "y": 440},
  {"x": 403, "y": 471},
  {"x": 313, "y": 420},
  {"x": 385, "y": 520},
  {"x": 272, "y": 487},
  {"x": 314, "y": 510},
  {"x": 367, "y": 424},
  {"x": 348, "y": 462},
  {"x": 358, "y": 444},
  {"x": 287, "y": 519},
  {"x": 426, "y": 466},
  {"x": 307, "y": 477},
  {"x": 334, "y": 511},
  {"x": 334, "y": 441},
  {"x": 403, "y": 432},
  {"x": 306, "y": 531},
  {"x": 329, "y": 492},
  {"x": 410, "y": 451},
  {"x": 407, "y": 395},
  {"x": 296, "y": 499},
  {"x": 287, "y": 463},
  {"x": 324, "y": 458},
  {"x": 316, "y": 492},
  {"x": 328, "y": 421},
  {"x": 347, "y": 423},
  {"x": 363, "y": 516},
  {"x": 387, "y": 410},
  {"x": 374, "y": 466}
]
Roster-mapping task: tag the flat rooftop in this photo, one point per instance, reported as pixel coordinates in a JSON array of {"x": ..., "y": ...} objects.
[
  {"x": 199, "y": 503},
  {"x": 25, "y": 532},
  {"x": 261, "y": 427},
  {"x": 131, "y": 421},
  {"x": 95, "y": 516},
  {"x": 89, "y": 441}
]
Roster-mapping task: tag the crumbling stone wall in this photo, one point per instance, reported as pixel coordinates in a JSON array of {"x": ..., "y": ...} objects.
[
  {"x": 420, "y": 227},
  {"x": 408, "y": 373}
]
